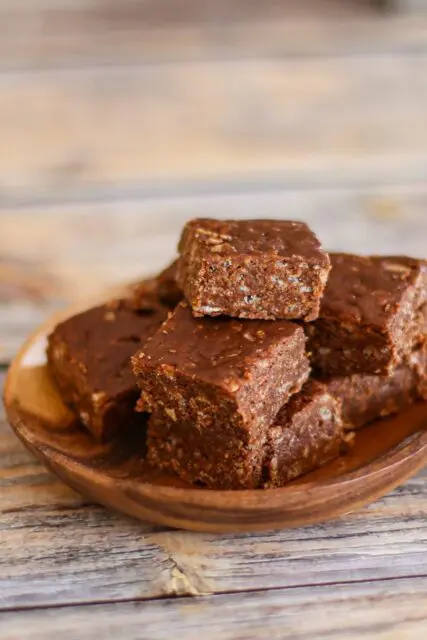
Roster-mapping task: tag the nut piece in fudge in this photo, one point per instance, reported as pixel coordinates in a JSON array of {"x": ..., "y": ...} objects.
[
  {"x": 257, "y": 269},
  {"x": 221, "y": 382},
  {"x": 366, "y": 397},
  {"x": 307, "y": 433},
  {"x": 89, "y": 359},
  {"x": 373, "y": 314}
]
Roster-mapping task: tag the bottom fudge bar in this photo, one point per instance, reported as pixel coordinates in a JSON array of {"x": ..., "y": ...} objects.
[
  {"x": 197, "y": 455},
  {"x": 89, "y": 359},
  {"x": 366, "y": 397},
  {"x": 307, "y": 433}
]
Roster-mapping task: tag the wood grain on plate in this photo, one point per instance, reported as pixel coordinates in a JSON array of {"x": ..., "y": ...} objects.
[{"x": 384, "y": 456}]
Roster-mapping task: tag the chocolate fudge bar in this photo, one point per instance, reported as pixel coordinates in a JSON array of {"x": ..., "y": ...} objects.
[
  {"x": 162, "y": 289},
  {"x": 89, "y": 359},
  {"x": 257, "y": 269},
  {"x": 219, "y": 461},
  {"x": 307, "y": 433},
  {"x": 366, "y": 397},
  {"x": 373, "y": 314},
  {"x": 220, "y": 382}
]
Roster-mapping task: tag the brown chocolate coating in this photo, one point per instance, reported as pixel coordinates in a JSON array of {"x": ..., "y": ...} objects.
[
  {"x": 221, "y": 382},
  {"x": 307, "y": 433},
  {"x": 279, "y": 237},
  {"x": 256, "y": 269},
  {"x": 373, "y": 314},
  {"x": 89, "y": 359},
  {"x": 366, "y": 397}
]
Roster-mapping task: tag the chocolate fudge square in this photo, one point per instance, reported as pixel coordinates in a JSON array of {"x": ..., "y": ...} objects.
[
  {"x": 162, "y": 289},
  {"x": 89, "y": 359},
  {"x": 373, "y": 314},
  {"x": 366, "y": 397},
  {"x": 307, "y": 433},
  {"x": 223, "y": 460},
  {"x": 257, "y": 269},
  {"x": 222, "y": 381}
]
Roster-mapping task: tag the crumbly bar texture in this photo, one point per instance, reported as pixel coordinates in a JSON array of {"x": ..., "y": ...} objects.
[
  {"x": 162, "y": 289},
  {"x": 366, "y": 397},
  {"x": 220, "y": 382},
  {"x": 89, "y": 359},
  {"x": 373, "y": 315},
  {"x": 223, "y": 460},
  {"x": 256, "y": 269},
  {"x": 307, "y": 433}
]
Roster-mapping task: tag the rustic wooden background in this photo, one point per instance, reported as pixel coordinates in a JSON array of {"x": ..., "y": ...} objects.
[{"x": 120, "y": 120}]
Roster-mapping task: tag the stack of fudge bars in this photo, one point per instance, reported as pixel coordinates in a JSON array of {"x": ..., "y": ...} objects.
[{"x": 253, "y": 357}]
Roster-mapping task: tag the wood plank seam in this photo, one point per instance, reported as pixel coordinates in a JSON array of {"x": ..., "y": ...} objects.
[
  {"x": 211, "y": 596},
  {"x": 140, "y": 66},
  {"x": 242, "y": 185}
]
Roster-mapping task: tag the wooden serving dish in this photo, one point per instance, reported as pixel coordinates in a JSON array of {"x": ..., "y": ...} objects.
[{"x": 385, "y": 454}]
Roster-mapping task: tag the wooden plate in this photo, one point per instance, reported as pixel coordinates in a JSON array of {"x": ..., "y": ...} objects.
[{"x": 385, "y": 454}]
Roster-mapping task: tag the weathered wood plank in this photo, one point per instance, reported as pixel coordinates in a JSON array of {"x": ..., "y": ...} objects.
[
  {"x": 46, "y": 32},
  {"x": 78, "y": 553},
  {"x": 378, "y": 611},
  {"x": 408, "y": 6},
  {"x": 63, "y": 33},
  {"x": 302, "y": 120},
  {"x": 156, "y": 12}
]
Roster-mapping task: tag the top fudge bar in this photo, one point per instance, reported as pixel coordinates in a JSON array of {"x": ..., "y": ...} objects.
[
  {"x": 257, "y": 269},
  {"x": 224, "y": 379},
  {"x": 89, "y": 359},
  {"x": 373, "y": 314}
]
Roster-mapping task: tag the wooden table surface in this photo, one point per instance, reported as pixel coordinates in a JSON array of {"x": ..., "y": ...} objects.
[{"x": 119, "y": 121}]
